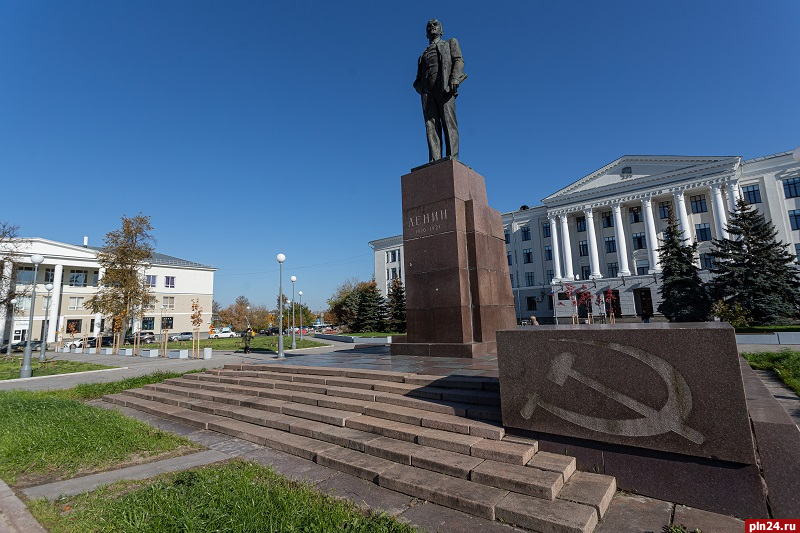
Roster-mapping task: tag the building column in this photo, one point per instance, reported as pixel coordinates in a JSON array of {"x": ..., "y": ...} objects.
[
  {"x": 622, "y": 246},
  {"x": 55, "y": 303},
  {"x": 683, "y": 216},
  {"x": 568, "y": 274},
  {"x": 5, "y": 289},
  {"x": 556, "y": 249},
  {"x": 650, "y": 228},
  {"x": 719, "y": 212},
  {"x": 733, "y": 194},
  {"x": 594, "y": 259}
]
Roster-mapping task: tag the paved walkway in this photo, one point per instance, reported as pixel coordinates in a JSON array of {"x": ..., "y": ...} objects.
[{"x": 626, "y": 513}]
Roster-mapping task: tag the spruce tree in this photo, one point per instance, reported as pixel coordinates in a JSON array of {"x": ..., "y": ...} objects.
[
  {"x": 397, "y": 306},
  {"x": 682, "y": 291},
  {"x": 755, "y": 270},
  {"x": 371, "y": 309}
]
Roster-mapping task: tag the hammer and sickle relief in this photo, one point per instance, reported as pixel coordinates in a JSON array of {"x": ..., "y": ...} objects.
[{"x": 671, "y": 417}]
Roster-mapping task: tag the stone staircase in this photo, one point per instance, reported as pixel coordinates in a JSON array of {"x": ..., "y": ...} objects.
[{"x": 437, "y": 438}]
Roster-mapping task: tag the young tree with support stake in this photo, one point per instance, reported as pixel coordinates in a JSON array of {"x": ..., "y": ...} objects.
[
  {"x": 755, "y": 270},
  {"x": 123, "y": 256},
  {"x": 684, "y": 296}
]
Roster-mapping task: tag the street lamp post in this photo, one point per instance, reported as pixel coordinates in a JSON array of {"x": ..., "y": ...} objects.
[
  {"x": 281, "y": 258},
  {"x": 300, "y": 293},
  {"x": 25, "y": 370},
  {"x": 247, "y": 317},
  {"x": 294, "y": 345},
  {"x": 11, "y": 332},
  {"x": 49, "y": 288}
]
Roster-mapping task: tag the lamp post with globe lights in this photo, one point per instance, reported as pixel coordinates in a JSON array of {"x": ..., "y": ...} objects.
[
  {"x": 281, "y": 258},
  {"x": 294, "y": 345},
  {"x": 300, "y": 294},
  {"x": 25, "y": 370},
  {"x": 49, "y": 288},
  {"x": 13, "y": 303}
]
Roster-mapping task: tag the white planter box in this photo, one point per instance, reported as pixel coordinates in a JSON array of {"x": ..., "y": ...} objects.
[
  {"x": 65, "y": 349},
  {"x": 106, "y": 351},
  {"x": 126, "y": 351},
  {"x": 76, "y": 350},
  {"x": 207, "y": 353},
  {"x": 150, "y": 353},
  {"x": 91, "y": 350},
  {"x": 178, "y": 354}
]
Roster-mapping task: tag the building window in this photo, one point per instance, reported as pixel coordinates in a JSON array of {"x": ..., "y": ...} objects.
[
  {"x": 664, "y": 209},
  {"x": 169, "y": 282},
  {"x": 394, "y": 273},
  {"x": 611, "y": 245},
  {"x": 698, "y": 203},
  {"x": 525, "y": 232},
  {"x": 706, "y": 261},
  {"x": 613, "y": 269},
  {"x": 74, "y": 326},
  {"x": 527, "y": 255},
  {"x": 531, "y": 303},
  {"x": 581, "y": 223},
  {"x": 78, "y": 278},
  {"x": 797, "y": 250},
  {"x": 794, "y": 218},
  {"x": 636, "y": 215},
  {"x": 546, "y": 229},
  {"x": 703, "y": 232},
  {"x": 550, "y": 275},
  {"x": 752, "y": 194},
  {"x": 25, "y": 275},
  {"x": 150, "y": 281},
  {"x": 508, "y": 255},
  {"x": 608, "y": 219},
  {"x": 23, "y": 303},
  {"x": 75, "y": 302},
  {"x": 642, "y": 266},
  {"x": 49, "y": 275},
  {"x": 529, "y": 279},
  {"x": 626, "y": 172},
  {"x": 167, "y": 322},
  {"x": 149, "y": 323},
  {"x": 395, "y": 255},
  {"x": 507, "y": 235},
  {"x": 586, "y": 272},
  {"x": 548, "y": 253},
  {"x": 168, "y": 302},
  {"x": 791, "y": 187},
  {"x": 639, "y": 242},
  {"x": 387, "y": 274},
  {"x": 583, "y": 248}
]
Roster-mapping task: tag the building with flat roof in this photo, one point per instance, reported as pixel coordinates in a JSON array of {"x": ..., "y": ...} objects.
[
  {"x": 603, "y": 230},
  {"x": 74, "y": 272}
]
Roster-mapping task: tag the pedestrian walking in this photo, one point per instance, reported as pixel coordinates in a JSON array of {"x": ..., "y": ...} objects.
[{"x": 247, "y": 336}]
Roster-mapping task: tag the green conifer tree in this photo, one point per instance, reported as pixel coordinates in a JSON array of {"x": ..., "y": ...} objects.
[
  {"x": 371, "y": 308},
  {"x": 755, "y": 270},
  {"x": 684, "y": 296},
  {"x": 397, "y": 306}
]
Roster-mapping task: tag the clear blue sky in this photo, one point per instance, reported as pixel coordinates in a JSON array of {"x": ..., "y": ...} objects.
[{"x": 249, "y": 128}]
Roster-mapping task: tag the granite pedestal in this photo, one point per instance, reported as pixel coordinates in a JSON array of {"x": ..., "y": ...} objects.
[{"x": 458, "y": 292}]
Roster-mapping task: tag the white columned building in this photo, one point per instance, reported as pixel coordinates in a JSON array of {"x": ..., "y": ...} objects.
[{"x": 627, "y": 204}]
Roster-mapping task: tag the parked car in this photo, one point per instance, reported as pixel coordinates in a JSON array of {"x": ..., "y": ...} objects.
[
  {"x": 19, "y": 346},
  {"x": 224, "y": 333},
  {"x": 91, "y": 342},
  {"x": 183, "y": 336},
  {"x": 145, "y": 337},
  {"x": 272, "y": 331}
]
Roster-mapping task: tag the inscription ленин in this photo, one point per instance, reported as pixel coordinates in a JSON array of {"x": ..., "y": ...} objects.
[{"x": 431, "y": 221}]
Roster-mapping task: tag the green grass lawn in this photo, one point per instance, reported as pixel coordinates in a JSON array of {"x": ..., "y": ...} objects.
[
  {"x": 10, "y": 369},
  {"x": 259, "y": 342},
  {"x": 45, "y": 436},
  {"x": 785, "y": 364},
  {"x": 234, "y": 497}
]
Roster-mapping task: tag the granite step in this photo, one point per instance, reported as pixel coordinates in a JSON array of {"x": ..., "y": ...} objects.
[{"x": 425, "y": 447}]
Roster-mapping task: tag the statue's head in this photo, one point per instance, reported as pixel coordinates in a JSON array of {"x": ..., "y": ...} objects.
[{"x": 433, "y": 29}]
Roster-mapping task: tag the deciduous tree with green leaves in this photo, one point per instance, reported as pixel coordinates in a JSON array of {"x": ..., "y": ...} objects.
[
  {"x": 684, "y": 296},
  {"x": 123, "y": 256},
  {"x": 755, "y": 270},
  {"x": 396, "y": 304}
]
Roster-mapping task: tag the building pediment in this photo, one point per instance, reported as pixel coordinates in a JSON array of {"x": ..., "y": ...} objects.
[{"x": 629, "y": 174}]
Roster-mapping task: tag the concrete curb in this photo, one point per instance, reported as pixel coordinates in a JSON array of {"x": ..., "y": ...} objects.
[
  {"x": 16, "y": 513},
  {"x": 15, "y": 380}
]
